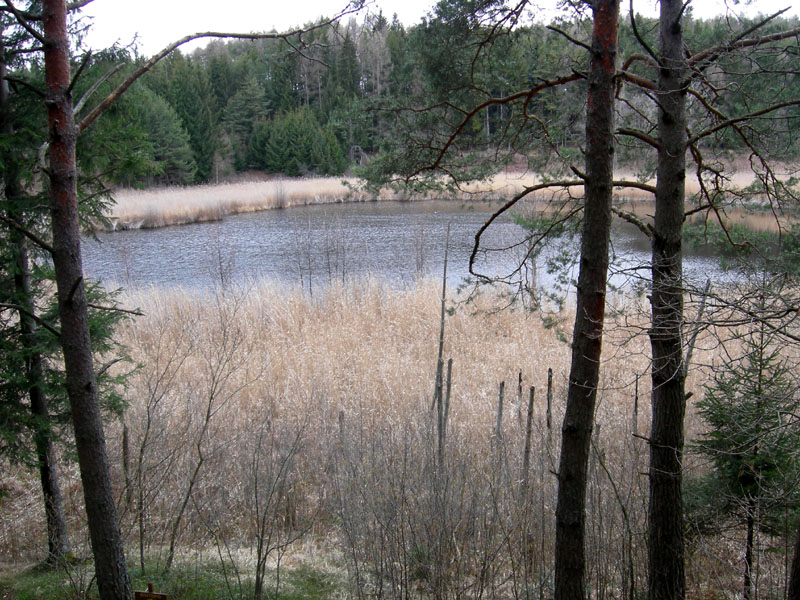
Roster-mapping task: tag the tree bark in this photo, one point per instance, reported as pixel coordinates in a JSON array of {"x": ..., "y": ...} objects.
[
  {"x": 665, "y": 510},
  {"x": 576, "y": 431},
  {"x": 57, "y": 537},
  {"x": 112, "y": 575},
  {"x": 794, "y": 573},
  {"x": 747, "y": 584}
]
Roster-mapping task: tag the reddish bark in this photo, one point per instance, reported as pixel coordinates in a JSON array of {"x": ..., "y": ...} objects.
[
  {"x": 576, "y": 431},
  {"x": 112, "y": 576}
]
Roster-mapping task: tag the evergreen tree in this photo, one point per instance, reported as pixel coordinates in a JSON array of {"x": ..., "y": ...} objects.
[
  {"x": 281, "y": 79},
  {"x": 172, "y": 155},
  {"x": 34, "y": 409},
  {"x": 244, "y": 111},
  {"x": 751, "y": 439},
  {"x": 295, "y": 144},
  {"x": 348, "y": 70},
  {"x": 221, "y": 74},
  {"x": 187, "y": 88}
]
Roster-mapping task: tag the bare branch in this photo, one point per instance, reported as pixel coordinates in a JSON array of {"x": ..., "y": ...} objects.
[
  {"x": 93, "y": 88},
  {"x": 711, "y": 54},
  {"x": 22, "y": 19},
  {"x": 696, "y": 331},
  {"x": 634, "y": 58},
  {"x": 633, "y": 220},
  {"x": 76, "y": 5},
  {"x": 78, "y": 71},
  {"x": 637, "y": 80},
  {"x": 469, "y": 115},
  {"x": 27, "y": 85},
  {"x": 510, "y": 17},
  {"x": 27, "y": 233},
  {"x": 31, "y": 315},
  {"x": 135, "y": 312},
  {"x": 622, "y": 183},
  {"x": 577, "y": 42},
  {"x": 550, "y": 185},
  {"x": 638, "y": 36},
  {"x": 106, "y": 366},
  {"x": 733, "y": 121},
  {"x": 129, "y": 81},
  {"x": 775, "y": 319},
  {"x": 640, "y": 135},
  {"x": 525, "y": 192}
]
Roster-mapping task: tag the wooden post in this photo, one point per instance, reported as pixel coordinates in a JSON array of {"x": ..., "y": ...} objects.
[
  {"x": 635, "y": 421},
  {"x": 498, "y": 428},
  {"x": 549, "y": 400},
  {"x": 526, "y": 455},
  {"x": 149, "y": 594}
]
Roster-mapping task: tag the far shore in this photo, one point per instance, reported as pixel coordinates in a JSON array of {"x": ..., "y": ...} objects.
[{"x": 159, "y": 207}]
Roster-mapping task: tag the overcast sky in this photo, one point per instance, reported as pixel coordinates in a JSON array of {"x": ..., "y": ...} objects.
[{"x": 159, "y": 22}]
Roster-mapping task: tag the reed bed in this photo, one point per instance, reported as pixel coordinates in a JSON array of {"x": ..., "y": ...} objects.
[
  {"x": 260, "y": 418},
  {"x": 134, "y": 209}
]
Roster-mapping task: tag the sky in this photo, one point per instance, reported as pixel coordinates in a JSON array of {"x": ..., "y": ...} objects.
[{"x": 156, "y": 23}]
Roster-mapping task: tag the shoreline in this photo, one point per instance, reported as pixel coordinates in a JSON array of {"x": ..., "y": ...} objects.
[{"x": 162, "y": 207}]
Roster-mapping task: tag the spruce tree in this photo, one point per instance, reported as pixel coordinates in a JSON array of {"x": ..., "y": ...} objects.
[{"x": 752, "y": 441}]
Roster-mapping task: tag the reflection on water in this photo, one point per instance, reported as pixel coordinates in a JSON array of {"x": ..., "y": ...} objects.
[{"x": 314, "y": 245}]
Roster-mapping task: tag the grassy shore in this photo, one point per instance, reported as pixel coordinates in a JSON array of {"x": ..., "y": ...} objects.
[{"x": 159, "y": 207}]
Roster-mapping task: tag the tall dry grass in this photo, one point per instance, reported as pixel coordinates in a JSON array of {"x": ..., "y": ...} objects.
[
  {"x": 262, "y": 411},
  {"x": 158, "y": 207},
  {"x": 134, "y": 209}
]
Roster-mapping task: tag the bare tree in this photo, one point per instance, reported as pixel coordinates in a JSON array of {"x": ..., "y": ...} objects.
[
  {"x": 681, "y": 76},
  {"x": 222, "y": 375}
]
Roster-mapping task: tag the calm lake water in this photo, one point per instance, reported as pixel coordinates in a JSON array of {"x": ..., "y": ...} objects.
[{"x": 314, "y": 245}]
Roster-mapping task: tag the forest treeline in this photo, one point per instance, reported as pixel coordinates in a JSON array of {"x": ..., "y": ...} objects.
[{"x": 338, "y": 102}]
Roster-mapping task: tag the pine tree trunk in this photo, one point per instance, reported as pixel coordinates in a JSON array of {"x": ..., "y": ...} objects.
[
  {"x": 747, "y": 586},
  {"x": 57, "y": 538},
  {"x": 576, "y": 431},
  {"x": 794, "y": 573},
  {"x": 112, "y": 575},
  {"x": 665, "y": 510}
]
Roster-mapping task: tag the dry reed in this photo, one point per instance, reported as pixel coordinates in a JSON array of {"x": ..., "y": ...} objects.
[
  {"x": 349, "y": 375},
  {"x": 158, "y": 207}
]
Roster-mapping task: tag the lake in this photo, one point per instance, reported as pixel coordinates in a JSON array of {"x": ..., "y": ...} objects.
[{"x": 314, "y": 245}]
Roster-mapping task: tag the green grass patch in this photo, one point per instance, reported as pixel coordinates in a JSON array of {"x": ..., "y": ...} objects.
[
  {"x": 307, "y": 583},
  {"x": 203, "y": 581}
]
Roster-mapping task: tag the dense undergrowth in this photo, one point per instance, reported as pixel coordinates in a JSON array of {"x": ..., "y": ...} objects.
[{"x": 260, "y": 420}]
